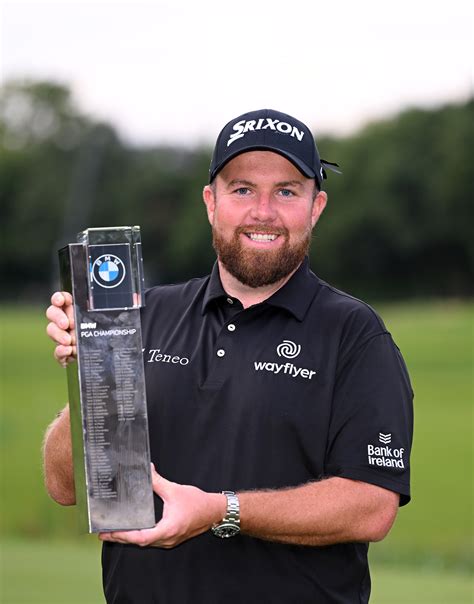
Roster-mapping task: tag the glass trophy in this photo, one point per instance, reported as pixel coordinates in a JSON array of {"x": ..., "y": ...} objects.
[{"x": 109, "y": 425}]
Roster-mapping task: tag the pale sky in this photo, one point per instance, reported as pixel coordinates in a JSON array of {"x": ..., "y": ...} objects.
[{"x": 176, "y": 72}]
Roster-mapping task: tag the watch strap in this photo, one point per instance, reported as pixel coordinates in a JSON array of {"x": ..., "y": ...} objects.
[
  {"x": 230, "y": 524},
  {"x": 233, "y": 507}
]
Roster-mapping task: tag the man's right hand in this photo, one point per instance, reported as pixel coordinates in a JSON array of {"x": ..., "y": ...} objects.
[{"x": 61, "y": 327}]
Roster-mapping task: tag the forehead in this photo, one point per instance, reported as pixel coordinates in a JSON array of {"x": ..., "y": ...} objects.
[{"x": 261, "y": 165}]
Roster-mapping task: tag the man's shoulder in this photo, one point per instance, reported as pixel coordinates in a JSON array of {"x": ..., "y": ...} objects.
[
  {"x": 176, "y": 295},
  {"x": 347, "y": 310}
]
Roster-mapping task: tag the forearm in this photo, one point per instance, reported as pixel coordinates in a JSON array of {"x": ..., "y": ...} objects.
[
  {"x": 57, "y": 459},
  {"x": 335, "y": 510}
]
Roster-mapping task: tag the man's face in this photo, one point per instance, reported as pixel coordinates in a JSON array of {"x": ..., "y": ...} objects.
[{"x": 262, "y": 211}]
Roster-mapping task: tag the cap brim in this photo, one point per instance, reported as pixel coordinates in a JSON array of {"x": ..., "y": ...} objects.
[{"x": 300, "y": 165}]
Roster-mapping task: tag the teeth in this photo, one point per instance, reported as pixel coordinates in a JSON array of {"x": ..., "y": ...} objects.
[{"x": 261, "y": 236}]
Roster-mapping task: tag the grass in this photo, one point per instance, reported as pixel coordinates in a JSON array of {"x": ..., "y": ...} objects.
[
  {"x": 55, "y": 572},
  {"x": 413, "y": 586},
  {"x": 426, "y": 555},
  {"x": 33, "y": 389},
  {"x": 437, "y": 526},
  {"x": 52, "y": 572}
]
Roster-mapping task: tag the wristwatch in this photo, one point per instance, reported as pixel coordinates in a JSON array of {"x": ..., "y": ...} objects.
[{"x": 230, "y": 524}]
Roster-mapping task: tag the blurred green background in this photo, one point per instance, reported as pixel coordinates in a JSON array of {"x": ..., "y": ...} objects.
[
  {"x": 398, "y": 223},
  {"x": 397, "y": 232}
]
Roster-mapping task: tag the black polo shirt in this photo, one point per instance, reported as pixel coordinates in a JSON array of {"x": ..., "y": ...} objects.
[{"x": 304, "y": 385}]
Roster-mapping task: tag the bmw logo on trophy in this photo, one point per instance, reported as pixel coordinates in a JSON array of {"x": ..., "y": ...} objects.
[{"x": 109, "y": 424}]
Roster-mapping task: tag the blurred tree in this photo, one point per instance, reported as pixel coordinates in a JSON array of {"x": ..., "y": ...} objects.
[
  {"x": 399, "y": 219},
  {"x": 397, "y": 224},
  {"x": 32, "y": 113},
  {"x": 50, "y": 155}
]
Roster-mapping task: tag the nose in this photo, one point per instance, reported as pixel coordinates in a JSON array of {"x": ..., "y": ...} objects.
[{"x": 263, "y": 209}]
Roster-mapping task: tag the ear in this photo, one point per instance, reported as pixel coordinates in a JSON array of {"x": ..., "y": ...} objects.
[
  {"x": 319, "y": 204},
  {"x": 210, "y": 200}
]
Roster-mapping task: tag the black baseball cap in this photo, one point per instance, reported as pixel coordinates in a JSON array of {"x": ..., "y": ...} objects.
[{"x": 269, "y": 130}]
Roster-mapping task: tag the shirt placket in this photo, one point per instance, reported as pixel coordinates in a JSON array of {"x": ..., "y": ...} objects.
[{"x": 224, "y": 351}]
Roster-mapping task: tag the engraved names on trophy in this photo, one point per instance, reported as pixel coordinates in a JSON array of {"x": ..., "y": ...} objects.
[
  {"x": 125, "y": 383},
  {"x": 97, "y": 399}
]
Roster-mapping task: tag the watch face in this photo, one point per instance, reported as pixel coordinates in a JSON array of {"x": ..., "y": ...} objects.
[{"x": 226, "y": 530}]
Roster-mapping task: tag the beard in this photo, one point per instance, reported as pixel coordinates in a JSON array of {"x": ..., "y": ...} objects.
[{"x": 256, "y": 268}]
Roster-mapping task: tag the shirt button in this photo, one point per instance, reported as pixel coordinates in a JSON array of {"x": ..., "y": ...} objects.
[
  {"x": 220, "y": 352},
  {"x": 230, "y": 301},
  {"x": 231, "y": 327}
]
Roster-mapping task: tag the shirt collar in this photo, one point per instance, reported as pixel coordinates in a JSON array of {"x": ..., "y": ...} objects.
[
  {"x": 295, "y": 296},
  {"x": 214, "y": 289},
  {"x": 298, "y": 293}
]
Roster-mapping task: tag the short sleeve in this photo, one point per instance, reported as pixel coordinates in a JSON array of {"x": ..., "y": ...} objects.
[{"x": 371, "y": 426}]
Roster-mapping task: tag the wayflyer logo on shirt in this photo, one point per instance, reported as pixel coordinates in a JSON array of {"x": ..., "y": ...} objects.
[{"x": 288, "y": 350}]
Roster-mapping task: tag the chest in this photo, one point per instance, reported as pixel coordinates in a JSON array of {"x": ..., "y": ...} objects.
[
  {"x": 255, "y": 364},
  {"x": 245, "y": 394}
]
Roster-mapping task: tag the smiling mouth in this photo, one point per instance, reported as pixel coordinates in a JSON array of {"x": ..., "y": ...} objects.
[{"x": 261, "y": 236}]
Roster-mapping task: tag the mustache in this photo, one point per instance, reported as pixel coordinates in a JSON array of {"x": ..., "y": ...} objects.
[{"x": 261, "y": 228}]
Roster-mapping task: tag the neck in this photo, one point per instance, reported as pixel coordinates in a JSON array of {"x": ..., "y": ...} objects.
[{"x": 249, "y": 296}]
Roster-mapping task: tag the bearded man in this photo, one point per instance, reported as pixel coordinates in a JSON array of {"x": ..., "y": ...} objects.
[{"x": 272, "y": 481}]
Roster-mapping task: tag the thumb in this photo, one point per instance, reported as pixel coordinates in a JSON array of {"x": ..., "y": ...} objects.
[{"x": 160, "y": 485}]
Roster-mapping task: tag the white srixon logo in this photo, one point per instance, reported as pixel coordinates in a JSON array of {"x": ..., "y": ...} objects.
[
  {"x": 385, "y": 438},
  {"x": 288, "y": 349},
  {"x": 242, "y": 127}
]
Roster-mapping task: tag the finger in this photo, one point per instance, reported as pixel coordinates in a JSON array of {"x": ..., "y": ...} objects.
[
  {"x": 58, "y": 316},
  {"x": 64, "y": 320},
  {"x": 64, "y": 351},
  {"x": 142, "y": 537},
  {"x": 69, "y": 310},
  {"x": 60, "y": 336},
  {"x": 61, "y": 299},
  {"x": 65, "y": 354},
  {"x": 161, "y": 486},
  {"x": 61, "y": 304},
  {"x": 109, "y": 537}
]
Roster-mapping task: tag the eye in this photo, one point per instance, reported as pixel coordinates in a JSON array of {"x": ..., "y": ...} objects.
[
  {"x": 286, "y": 193},
  {"x": 242, "y": 191}
]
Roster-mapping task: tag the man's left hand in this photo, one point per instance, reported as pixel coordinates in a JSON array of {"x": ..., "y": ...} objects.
[{"x": 187, "y": 512}]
